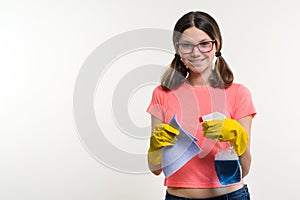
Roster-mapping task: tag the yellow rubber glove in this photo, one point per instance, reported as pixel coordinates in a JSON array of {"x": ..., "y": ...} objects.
[
  {"x": 227, "y": 130},
  {"x": 162, "y": 135}
]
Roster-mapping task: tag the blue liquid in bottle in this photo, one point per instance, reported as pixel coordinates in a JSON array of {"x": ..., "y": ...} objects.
[{"x": 228, "y": 171}]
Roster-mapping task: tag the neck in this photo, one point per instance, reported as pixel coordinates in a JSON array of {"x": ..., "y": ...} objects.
[{"x": 198, "y": 80}]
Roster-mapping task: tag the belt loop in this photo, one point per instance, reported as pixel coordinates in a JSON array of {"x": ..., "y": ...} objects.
[
  {"x": 246, "y": 188},
  {"x": 225, "y": 197}
]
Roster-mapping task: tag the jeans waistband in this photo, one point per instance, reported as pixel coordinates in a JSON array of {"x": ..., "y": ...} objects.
[{"x": 242, "y": 193}]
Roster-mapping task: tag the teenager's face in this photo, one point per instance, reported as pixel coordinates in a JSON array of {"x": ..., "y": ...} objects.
[{"x": 197, "y": 61}]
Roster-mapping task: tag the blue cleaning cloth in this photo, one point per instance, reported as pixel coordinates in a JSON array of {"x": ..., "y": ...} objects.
[{"x": 174, "y": 157}]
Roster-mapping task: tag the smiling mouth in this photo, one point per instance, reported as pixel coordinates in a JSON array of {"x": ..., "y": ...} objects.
[{"x": 196, "y": 61}]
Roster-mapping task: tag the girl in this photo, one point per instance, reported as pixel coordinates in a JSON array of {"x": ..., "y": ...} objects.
[{"x": 199, "y": 82}]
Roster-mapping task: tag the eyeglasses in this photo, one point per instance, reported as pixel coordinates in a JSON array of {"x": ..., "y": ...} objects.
[{"x": 203, "y": 47}]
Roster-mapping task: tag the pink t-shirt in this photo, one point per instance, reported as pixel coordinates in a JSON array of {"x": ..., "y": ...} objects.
[{"x": 189, "y": 103}]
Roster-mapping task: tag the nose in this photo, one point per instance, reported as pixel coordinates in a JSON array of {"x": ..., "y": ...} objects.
[{"x": 196, "y": 51}]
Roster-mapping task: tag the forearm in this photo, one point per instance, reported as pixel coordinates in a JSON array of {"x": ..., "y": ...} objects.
[
  {"x": 155, "y": 169},
  {"x": 245, "y": 161},
  {"x": 245, "y": 158}
]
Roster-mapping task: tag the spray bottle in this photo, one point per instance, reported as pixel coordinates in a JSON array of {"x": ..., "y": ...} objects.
[{"x": 227, "y": 164}]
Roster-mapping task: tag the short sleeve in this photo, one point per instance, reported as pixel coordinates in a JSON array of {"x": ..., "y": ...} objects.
[
  {"x": 243, "y": 103},
  {"x": 156, "y": 106}
]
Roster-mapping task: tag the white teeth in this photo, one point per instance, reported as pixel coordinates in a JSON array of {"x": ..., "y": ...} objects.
[
  {"x": 201, "y": 60},
  {"x": 196, "y": 61}
]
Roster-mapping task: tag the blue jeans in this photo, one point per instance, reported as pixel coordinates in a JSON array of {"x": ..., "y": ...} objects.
[{"x": 241, "y": 194}]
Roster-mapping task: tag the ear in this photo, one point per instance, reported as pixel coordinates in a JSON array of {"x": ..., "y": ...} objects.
[{"x": 185, "y": 62}]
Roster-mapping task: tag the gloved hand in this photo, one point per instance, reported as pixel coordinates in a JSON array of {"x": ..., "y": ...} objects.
[
  {"x": 162, "y": 135},
  {"x": 227, "y": 130}
]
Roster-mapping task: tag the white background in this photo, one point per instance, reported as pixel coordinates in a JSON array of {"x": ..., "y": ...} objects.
[{"x": 43, "y": 45}]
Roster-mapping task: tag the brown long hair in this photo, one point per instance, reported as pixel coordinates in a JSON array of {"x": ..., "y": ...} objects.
[{"x": 175, "y": 75}]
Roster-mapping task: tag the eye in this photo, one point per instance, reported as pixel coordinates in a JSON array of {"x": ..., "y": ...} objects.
[
  {"x": 205, "y": 44},
  {"x": 186, "y": 45}
]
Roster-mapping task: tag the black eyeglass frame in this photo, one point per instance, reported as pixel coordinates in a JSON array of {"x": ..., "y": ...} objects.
[{"x": 196, "y": 45}]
